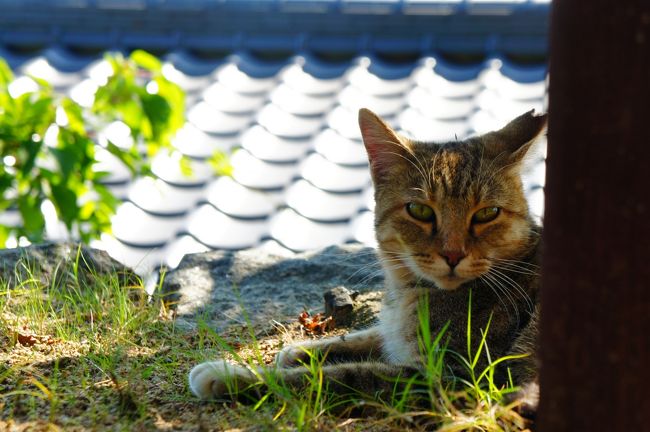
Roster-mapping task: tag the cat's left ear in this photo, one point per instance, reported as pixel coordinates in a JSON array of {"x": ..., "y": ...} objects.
[
  {"x": 385, "y": 148},
  {"x": 512, "y": 142}
]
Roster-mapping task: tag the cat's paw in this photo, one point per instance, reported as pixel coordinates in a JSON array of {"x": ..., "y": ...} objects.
[
  {"x": 218, "y": 379},
  {"x": 292, "y": 355},
  {"x": 526, "y": 400}
]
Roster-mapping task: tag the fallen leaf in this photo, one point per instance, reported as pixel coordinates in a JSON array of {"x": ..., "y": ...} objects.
[
  {"x": 28, "y": 339},
  {"x": 316, "y": 324}
]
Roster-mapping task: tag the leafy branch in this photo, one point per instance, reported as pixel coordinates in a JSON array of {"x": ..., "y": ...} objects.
[{"x": 48, "y": 145}]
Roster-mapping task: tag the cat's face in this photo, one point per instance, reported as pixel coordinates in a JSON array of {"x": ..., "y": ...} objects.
[{"x": 446, "y": 213}]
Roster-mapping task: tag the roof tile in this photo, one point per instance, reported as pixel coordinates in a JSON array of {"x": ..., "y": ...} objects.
[
  {"x": 220, "y": 231},
  {"x": 300, "y": 178},
  {"x": 298, "y": 233}
]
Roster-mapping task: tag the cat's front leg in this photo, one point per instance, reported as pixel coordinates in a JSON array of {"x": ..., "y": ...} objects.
[
  {"x": 360, "y": 345},
  {"x": 226, "y": 381},
  {"x": 219, "y": 379}
]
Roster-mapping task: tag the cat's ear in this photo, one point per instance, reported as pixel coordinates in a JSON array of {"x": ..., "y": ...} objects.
[
  {"x": 384, "y": 146},
  {"x": 512, "y": 142}
]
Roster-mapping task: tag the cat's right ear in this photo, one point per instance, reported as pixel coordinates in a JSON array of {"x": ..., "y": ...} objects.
[
  {"x": 513, "y": 141},
  {"x": 384, "y": 146}
]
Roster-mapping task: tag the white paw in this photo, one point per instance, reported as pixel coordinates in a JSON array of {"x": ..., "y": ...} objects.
[
  {"x": 292, "y": 355},
  {"x": 219, "y": 378}
]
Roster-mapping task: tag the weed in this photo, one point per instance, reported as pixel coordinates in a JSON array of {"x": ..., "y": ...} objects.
[{"x": 99, "y": 353}]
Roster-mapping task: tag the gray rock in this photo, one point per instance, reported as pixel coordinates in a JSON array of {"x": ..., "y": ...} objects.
[
  {"x": 47, "y": 261},
  {"x": 225, "y": 288},
  {"x": 339, "y": 304}
]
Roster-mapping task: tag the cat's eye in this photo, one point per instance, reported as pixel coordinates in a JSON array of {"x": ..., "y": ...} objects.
[
  {"x": 421, "y": 212},
  {"x": 486, "y": 214}
]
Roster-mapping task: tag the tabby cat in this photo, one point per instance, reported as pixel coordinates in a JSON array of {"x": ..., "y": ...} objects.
[{"x": 451, "y": 221}]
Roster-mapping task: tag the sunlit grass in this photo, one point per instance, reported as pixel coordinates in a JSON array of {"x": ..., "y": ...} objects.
[
  {"x": 96, "y": 352},
  {"x": 473, "y": 402}
]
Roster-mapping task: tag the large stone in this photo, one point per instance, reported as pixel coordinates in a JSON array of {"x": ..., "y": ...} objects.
[
  {"x": 47, "y": 261},
  {"x": 339, "y": 304},
  {"x": 225, "y": 288}
]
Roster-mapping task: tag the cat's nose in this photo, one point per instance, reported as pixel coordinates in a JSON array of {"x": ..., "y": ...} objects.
[{"x": 453, "y": 257}]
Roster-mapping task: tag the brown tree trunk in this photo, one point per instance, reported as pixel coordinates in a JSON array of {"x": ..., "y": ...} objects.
[{"x": 596, "y": 278}]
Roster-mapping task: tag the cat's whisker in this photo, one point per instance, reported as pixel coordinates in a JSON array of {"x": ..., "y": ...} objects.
[
  {"x": 516, "y": 266},
  {"x": 495, "y": 270},
  {"x": 399, "y": 145},
  {"x": 393, "y": 260},
  {"x": 432, "y": 171},
  {"x": 368, "y": 276},
  {"x": 518, "y": 289},
  {"x": 418, "y": 164},
  {"x": 394, "y": 264},
  {"x": 490, "y": 285},
  {"x": 525, "y": 263},
  {"x": 534, "y": 232},
  {"x": 500, "y": 291},
  {"x": 488, "y": 174},
  {"x": 371, "y": 276},
  {"x": 396, "y": 256},
  {"x": 522, "y": 265},
  {"x": 417, "y": 189},
  {"x": 510, "y": 270},
  {"x": 428, "y": 179},
  {"x": 514, "y": 269},
  {"x": 481, "y": 173},
  {"x": 418, "y": 168},
  {"x": 509, "y": 296},
  {"x": 346, "y": 256},
  {"x": 393, "y": 255}
]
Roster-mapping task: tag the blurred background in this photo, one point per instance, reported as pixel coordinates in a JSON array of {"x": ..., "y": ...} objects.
[{"x": 266, "y": 150}]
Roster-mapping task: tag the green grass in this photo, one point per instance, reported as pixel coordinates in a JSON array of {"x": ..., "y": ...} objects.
[{"x": 96, "y": 353}]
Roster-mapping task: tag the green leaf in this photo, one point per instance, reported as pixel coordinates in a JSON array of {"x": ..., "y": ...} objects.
[
  {"x": 67, "y": 159},
  {"x": 186, "y": 167},
  {"x": 6, "y": 180},
  {"x": 87, "y": 210},
  {"x": 176, "y": 98},
  {"x": 130, "y": 158},
  {"x": 220, "y": 162},
  {"x": 133, "y": 117},
  {"x": 115, "y": 60},
  {"x": 30, "y": 211},
  {"x": 43, "y": 84},
  {"x": 75, "y": 116},
  {"x": 30, "y": 149},
  {"x": 40, "y": 112},
  {"x": 106, "y": 196},
  {"x": 6, "y": 75},
  {"x": 65, "y": 201},
  {"x": 146, "y": 61},
  {"x": 158, "y": 111},
  {"x": 4, "y": 235}
]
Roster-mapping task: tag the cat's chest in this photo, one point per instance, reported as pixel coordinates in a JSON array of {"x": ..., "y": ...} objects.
[
  {"x": 399, "y": 334},
  {"x": 402, "y": 316}
]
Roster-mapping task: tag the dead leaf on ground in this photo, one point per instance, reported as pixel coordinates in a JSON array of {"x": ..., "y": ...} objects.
[
  {"x": 28, "y": 339},
  {"x": 317, "y": 324}
]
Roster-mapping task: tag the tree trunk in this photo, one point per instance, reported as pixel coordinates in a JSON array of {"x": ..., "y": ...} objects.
[{"x": 596, "y": 277}]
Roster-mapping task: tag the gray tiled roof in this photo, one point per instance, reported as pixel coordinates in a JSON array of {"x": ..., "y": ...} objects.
[{"x": 300, "y": 176}]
